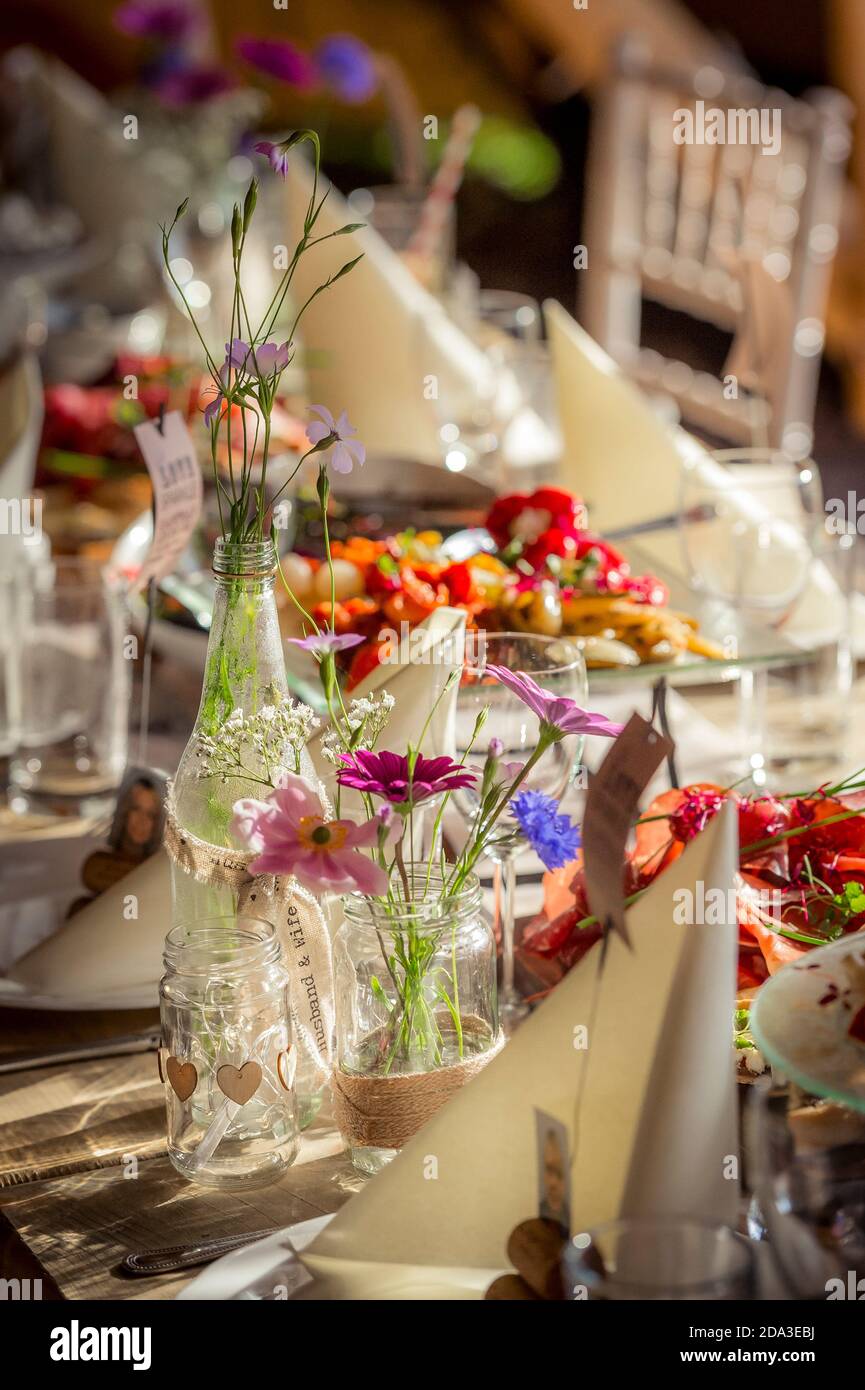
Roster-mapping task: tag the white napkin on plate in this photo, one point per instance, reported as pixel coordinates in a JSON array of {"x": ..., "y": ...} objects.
[{"x": 105, "y": 948}]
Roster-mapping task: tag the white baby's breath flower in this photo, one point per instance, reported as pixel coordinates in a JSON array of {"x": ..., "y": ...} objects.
[{"x": 258, "y": 745}]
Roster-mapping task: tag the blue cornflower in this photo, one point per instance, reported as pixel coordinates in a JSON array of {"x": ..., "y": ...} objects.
[{"x": 553, "y": 836}]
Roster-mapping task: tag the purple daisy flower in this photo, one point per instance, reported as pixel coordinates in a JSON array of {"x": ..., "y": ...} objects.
[
  {"x": 345, "y": 451},
  {"x": 278, "y": 58},
  {"x": 348, "y": 67},
  {"x": 559, "y": 712},
  {"x": 387, "y": 775},
  {"x": 553, "y": 836},
  {"x": 262, "y": 361},
  {"x": 322, "y": 643}
]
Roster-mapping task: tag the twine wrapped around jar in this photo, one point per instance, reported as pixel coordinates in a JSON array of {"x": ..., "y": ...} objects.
[{"x": 384, "y": 1112}]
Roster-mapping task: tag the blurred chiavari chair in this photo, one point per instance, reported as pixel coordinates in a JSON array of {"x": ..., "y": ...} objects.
[{"x": 723, "y": 233}]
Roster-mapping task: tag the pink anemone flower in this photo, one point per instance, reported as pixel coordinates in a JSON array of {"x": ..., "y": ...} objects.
[{"x": 289, "y": 834}]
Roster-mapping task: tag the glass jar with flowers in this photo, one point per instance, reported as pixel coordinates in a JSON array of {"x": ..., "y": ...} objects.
[{"x": 414, "y": 956}]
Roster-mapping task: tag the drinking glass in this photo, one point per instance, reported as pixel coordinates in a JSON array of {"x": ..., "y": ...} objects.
[
  {"x": 749, "y": 521},
  {"x": 805, "y": 1157},
  {"x": 75, "y": 683},
  {"x": 558, "y": 666},
  {"x": 10, "y": 664},
  {"x": 508, "y": 312},
  {"x": 752, "y": 528},
  {"x": 476, "y": 396},
  {"x": 394, "y": 211},
  {"x": 648, "y": 1259}
]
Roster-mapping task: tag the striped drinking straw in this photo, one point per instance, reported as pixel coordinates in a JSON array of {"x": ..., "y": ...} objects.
[{"x": 426, "y": 241}]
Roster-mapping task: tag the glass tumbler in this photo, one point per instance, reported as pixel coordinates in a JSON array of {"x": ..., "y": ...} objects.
[
  {"x": 668, "y": 1258},
  {"x": 74, "y": 681},
  {"x": 10, "y": 664},
  {"x": 227, "y": 1060}
]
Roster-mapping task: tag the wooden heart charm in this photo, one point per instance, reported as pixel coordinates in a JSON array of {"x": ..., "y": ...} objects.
[
  {"x": 182, "y": 1077},
  {"x": 239, "y": 1083},
  {"x": 286, "y": 1066}
]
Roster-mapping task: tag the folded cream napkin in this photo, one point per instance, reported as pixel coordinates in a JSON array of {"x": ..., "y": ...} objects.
[
  {"x": 657, "y": 1122},
  {"x": 628, "y": 464},
  {"x": 115, "y": 944},
  {"x": 381, "y": 347}
]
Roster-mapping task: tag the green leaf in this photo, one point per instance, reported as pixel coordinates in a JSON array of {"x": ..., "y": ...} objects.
[
  {"x": 349, "y": 227},
  {"x": 375, "y": 986}
]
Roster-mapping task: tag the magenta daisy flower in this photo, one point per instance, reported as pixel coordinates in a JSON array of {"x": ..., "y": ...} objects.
[
  {"x": 280, "y": 59},
  {"x": 387, "y": 775}
]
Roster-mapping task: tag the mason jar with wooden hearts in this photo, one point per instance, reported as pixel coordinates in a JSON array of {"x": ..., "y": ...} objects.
[{"x": 227, "y": 1060}]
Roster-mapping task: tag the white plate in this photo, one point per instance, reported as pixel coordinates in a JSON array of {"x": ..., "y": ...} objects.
[{"x": 15, "y": 996}]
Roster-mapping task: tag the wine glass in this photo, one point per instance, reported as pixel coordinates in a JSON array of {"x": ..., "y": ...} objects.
[
  {"x": 473, "y": 395},
  {"x": 749, "y": 522},
  {"x": 557, "y": 665},
  {"x": 506, "y": 312}
]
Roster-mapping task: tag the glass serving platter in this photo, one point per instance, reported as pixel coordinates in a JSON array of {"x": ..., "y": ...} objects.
[
  {"x": 186, "y": 597},
  {"x": 755, "y": 645}
]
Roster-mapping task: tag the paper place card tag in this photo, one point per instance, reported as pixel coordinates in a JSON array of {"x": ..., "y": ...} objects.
[
  {"x": 613, "y": 796},
  {"x": 177, "y": 492}
]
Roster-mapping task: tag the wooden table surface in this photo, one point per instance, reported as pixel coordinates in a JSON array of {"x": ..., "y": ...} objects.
[{"x": 84, "y": 1177}]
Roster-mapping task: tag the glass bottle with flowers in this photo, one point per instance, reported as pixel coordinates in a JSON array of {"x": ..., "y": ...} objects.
[
  {"x": 245, "y": 689},
  {"x": 248, "y": 728}
]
